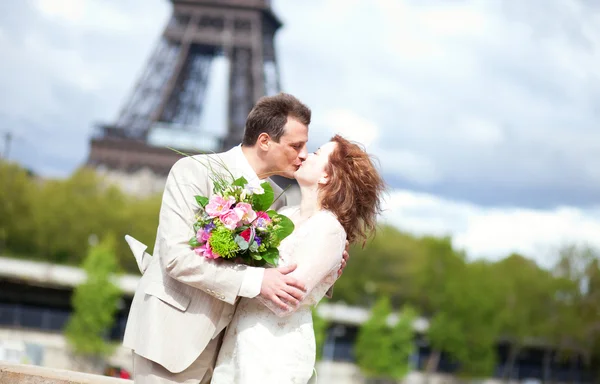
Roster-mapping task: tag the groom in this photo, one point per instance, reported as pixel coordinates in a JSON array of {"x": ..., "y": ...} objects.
[{"x": 183, "y": 301}]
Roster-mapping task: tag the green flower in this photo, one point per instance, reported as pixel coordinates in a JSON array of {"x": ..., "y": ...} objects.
[{"x": 223, "y": 243}]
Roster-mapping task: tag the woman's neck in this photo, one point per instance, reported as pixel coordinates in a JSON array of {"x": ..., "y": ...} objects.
[{"x": 309, "y": 203}]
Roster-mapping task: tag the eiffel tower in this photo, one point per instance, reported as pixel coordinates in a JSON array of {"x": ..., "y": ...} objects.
[{"x": 166, "y": 105}]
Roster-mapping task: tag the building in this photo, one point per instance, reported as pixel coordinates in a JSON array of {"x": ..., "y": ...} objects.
[{"x": 35, "y": 306}]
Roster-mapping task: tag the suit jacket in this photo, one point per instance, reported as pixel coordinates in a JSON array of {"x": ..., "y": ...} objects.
[{"x": 184, "y": 300}]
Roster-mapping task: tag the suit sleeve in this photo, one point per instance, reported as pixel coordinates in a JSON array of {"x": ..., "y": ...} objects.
[{"x": 221, "y": 279}]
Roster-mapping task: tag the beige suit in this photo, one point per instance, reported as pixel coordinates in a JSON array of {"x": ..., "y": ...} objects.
[{"x": 184, "y": 301}]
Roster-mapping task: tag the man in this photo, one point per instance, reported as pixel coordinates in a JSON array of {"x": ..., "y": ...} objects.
[{"x": 183, "y": 301}]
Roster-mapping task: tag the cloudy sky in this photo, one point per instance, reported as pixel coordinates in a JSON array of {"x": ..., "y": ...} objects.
[{"x": 484, "y": 115}]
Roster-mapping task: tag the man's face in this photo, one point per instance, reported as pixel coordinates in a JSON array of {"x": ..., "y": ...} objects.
[{"x": 286, "y": 156}]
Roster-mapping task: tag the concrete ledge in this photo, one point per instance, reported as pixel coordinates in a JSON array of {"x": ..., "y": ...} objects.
[{"x": 32, "y": 374}]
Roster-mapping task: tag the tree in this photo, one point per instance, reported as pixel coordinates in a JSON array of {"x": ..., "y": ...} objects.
[
  {"x": 466, "y": 325},
  {"x": 403, "y": 343},
  {"x": 15, "y": 209},
  {"x": 320, "y": 326},
  {"x": 384, "y": 267},
  {"x": 373, "y": 343},
  {"x": 383, "y": 351},
  {"x": 523, "y": 310},
  {"x": 574, "y": 328},
  {"x": 437, "y": 281},
  {"x": 95, "y": 303}
]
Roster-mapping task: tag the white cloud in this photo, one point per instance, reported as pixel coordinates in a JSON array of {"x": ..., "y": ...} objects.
[
  {"x": 71, "y": 10},
  {"x": 411, "y": 166},
  {"x": 88, "y": 14},
  {"x": 480, "y": 131},
  {"x": 493, "y": 102},
  {"x": 494, "y": 232},
  {"x": 493, "y": 95},
  {"x": 351, "y": 126}
]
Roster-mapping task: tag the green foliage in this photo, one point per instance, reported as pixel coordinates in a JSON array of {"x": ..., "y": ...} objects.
[
  {"x": 15, "y": 209},
  {"x": 470, "y": 304},
  {"x": 384, "y": 267},
  {"x": 222, "y": 242},
  {"x": 373, "y": 343},
  {"x": 95, "y": 302},
  {"x": 467, "y": 325},
  {"x": 383, "y": 351},
  {"x": 320, "y": 326},
  {"x": 263, "y": 201},
  {"x": 403, "y": 344},
  {"x": 52, "y": 220}
]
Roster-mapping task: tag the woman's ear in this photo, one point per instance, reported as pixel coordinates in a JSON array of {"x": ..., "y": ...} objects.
[{"x": 324, "y": 180}]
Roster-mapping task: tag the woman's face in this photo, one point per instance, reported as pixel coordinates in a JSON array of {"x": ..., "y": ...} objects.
[{"x": 312, "y": 171}]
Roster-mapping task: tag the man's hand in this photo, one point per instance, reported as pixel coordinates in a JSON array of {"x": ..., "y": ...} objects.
[
  {"x": 280, "y": 288},
  {"x": 345, "y": 257}
]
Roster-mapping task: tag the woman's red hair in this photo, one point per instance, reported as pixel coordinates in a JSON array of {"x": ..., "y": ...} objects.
[{"x": 354, "y": 190}]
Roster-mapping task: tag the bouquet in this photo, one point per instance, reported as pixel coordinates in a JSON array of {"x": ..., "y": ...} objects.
[{"x": 236, "y": 223}]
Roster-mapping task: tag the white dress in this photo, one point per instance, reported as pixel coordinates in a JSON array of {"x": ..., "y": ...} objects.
[{"x": 264, "y": 344}]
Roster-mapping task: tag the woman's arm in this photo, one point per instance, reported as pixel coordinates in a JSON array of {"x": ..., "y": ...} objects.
[{"x": 318, "y": 255}]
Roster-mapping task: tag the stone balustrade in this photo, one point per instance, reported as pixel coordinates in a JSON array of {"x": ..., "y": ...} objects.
[{"x": 32, "y": 374}]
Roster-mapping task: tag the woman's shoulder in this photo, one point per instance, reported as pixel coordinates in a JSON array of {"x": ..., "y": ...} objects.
[
  {"x": 288, "y": 209},
  {"x": 330, "y": 221}
]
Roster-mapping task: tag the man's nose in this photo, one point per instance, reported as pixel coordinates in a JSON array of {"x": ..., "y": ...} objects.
[{"x": 303, "y": 154}]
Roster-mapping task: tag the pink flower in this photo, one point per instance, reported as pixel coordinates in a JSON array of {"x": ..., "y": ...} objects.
[
  {"x": 206, "y": 251},
  {"x": 218, "y": 205},
  {"x": 245, "y": 212},
  {"x": 230, "y": 219},
  {"x": 202, "y": 235},
  {"x": 262, "y": 220}
]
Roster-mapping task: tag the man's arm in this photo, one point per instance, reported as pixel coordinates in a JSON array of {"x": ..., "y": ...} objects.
[{"x": 222, "y": 279}]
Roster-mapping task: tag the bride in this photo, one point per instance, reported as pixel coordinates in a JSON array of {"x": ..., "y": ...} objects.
[{"x": 341, "y": 197}]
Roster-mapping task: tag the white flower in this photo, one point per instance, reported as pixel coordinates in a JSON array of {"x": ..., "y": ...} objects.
[{"x": 255, "y": 189}]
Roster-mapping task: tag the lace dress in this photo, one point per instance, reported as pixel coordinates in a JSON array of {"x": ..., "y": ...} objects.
[{"x": 264, "y": 344}]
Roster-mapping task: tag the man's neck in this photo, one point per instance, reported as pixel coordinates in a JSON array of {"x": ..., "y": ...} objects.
[{"x": 257, "y": 164}]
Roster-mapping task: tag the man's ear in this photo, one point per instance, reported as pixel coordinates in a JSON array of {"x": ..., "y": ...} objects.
[{"x": 263, "y": 141}]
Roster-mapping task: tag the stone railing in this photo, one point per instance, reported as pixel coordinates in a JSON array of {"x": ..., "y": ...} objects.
[{"x": 31, "y": 374}]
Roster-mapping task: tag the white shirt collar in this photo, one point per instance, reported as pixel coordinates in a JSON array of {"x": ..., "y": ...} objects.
[{"x": 244, "y": 166}]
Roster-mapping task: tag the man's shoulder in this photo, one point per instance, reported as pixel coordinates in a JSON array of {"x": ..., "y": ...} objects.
[{"x": 201, "y": 162}]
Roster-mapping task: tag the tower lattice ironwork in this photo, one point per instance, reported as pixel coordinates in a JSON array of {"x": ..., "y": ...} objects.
[{"x": 171, "y": 91}]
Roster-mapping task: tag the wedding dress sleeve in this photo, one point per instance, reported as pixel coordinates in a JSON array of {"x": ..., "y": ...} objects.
[{"x": 317, "y": 251}]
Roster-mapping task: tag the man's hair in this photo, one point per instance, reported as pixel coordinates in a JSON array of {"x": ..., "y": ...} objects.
[{"x": 270, "y": 114}]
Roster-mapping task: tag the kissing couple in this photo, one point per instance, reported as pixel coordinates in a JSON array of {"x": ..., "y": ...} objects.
[{"x": 195, "y": 319}]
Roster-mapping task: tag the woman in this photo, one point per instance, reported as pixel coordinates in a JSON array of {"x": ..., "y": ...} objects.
[{"x": 341, "y": 197}]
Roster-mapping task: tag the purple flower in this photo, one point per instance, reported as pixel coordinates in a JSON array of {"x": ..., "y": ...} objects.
[
  {"x": 209, "y": 227},
  {"x": 257, "y": 240}
]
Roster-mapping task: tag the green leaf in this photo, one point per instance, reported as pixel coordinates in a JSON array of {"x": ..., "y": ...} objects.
[
  {"x": 243, "y": 244},
  {"x": 201, "y": 200},
  {"x": 240, "y": 182},
  {"x": 271, "y": 256},
  {"x": 194, "y": 242},
  {"x": 263, "y": 201},
  {"x": 253, "y": 246},
  {"x": 285, "y": 226}
]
